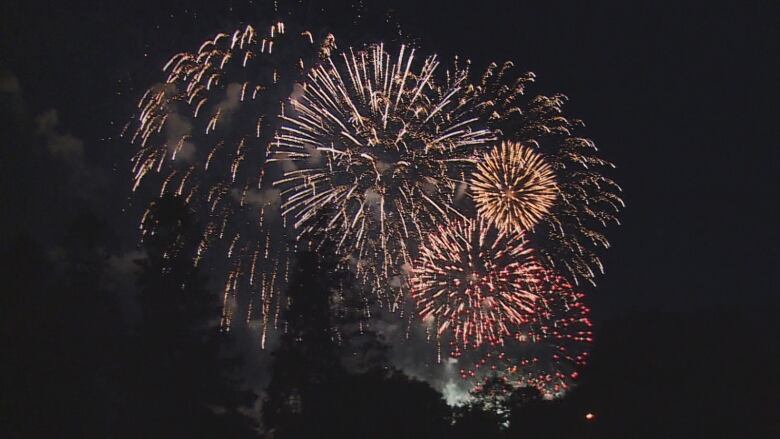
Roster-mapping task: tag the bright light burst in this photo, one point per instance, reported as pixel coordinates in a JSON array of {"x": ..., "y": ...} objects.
[
  {"x": 475, "y": 281},
  {"x": 513, "y": 187},
  {"x": 434, "y": 185},
  {"x": 373, "y": 140},
  {"x": 569, "y": 235}
]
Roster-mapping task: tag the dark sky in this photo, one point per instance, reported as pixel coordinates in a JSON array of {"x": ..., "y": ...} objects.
[{"x": 680, "y": 96}]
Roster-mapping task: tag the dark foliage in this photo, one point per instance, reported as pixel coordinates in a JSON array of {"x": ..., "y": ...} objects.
[
  {"x": 59, "y": 335},
  {"x": 74, "y": 367},
  {"x": 182, "y": 379},
  {"x": 330, "y": 373},
  {"x": 77, "y": 368}
]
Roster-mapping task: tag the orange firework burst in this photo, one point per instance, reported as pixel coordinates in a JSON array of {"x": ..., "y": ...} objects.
[
  {"x": 513, "y": 187},
  {"x": 475, "y": 281}
]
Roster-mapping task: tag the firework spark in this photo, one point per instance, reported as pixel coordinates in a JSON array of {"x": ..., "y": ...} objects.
[
  {"x": 513, "y": 187},
  {"x": 476, "y": 281},
  {"x": 383, "y": 145}
]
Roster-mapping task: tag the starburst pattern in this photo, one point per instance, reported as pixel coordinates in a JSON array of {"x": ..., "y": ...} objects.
[
  {"x": 513, "y": 187},
  {"x": 464, "y": 197},
  {"x": 587, "y": 200},
  {"x": 475, "y": 281}
]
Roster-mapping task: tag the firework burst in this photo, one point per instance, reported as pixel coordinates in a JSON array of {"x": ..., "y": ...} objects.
[
  {"x": 202, "y": 135},
  {"x": 513, "y": 187},
  {"x": 372, "y": 140},
  {"x": 568, "y": 233},
  {"x": 380, "y": 151},
  {"x": 475, "y": 281}
]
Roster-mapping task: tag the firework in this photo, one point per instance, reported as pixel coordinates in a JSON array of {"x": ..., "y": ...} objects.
[
  {"x": 569, "y": 232},
  {"x": 475, "y": 281},
  {"x": 513, "y": 187},
  {"x": 202, "y": 135},
  {"x": 547, "y": 351},
  {"x": 372, "y": 140},
  {"x": 426, "y": 178}
]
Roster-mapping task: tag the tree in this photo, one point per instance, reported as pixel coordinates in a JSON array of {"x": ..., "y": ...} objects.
[
  {"x": 306, "y": 364},
  {"x": 60, "y": 325},
  {"x": 182, "y": 375},
  {"x": 486, "y": 415},
  {"x": 359, "y": 345},
  {"x": 314, "y": 392}
]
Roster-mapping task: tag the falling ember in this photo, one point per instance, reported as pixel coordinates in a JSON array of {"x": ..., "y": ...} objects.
[{"x": 513, "y": 187}]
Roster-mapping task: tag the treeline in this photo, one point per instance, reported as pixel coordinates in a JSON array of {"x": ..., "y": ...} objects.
[
  {"x": 80, "y": 368},
  {"x": 73, "y": 366}
]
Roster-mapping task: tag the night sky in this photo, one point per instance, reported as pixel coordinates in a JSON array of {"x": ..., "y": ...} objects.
[{"x": 680, "y": 96}]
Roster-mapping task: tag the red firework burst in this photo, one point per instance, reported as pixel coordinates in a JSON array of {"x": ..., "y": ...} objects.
[{"x": 476, "y": 282}]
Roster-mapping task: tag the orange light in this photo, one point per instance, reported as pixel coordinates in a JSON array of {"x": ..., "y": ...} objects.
[{"x": 590, "y": 416}]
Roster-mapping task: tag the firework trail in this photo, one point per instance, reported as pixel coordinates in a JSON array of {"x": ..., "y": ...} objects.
[
  {"x": 374, "y": 140},
  {"x": 202, "y": 135},
  {"x": 547, "y": 351}
]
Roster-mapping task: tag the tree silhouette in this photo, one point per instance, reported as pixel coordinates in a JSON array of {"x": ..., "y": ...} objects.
[
  {"x": 62, "y": 326},
  {"x": 181, "y": 374},
  {"x": 305, "y": 364},
  {"x": 486, "y": 414},
  {"x": 360, "y": 348},
  {"x": 331, "y": 376}
]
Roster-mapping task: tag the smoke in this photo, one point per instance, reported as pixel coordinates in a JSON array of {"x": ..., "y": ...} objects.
[
  {"x": 287, "y": 164},
  {"x": 315, "y": 156},
  {"x": 460, "y": 191},
  {"x": 296, "y": 94},
  {"x": 176, "y": 127},
  {"x": 121, "y": 273},
  {"x": 9, "y": 84},
  {"x": 414, "y": 352},
  {"x": 373, "y": 202},
  {"x": 230, "y": 104},
  {"x": 62, "y": 146},
  {"x": 267, "y": 199},
  {"x": 263, "y": 198}
]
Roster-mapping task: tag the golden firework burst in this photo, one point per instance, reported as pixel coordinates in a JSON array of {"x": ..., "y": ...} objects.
[{"x": 513, "y": 187}]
